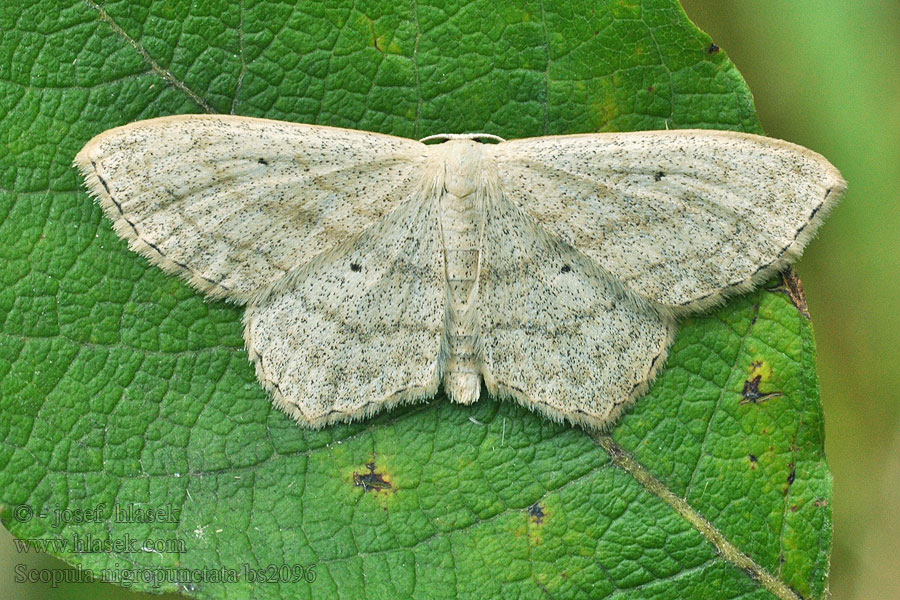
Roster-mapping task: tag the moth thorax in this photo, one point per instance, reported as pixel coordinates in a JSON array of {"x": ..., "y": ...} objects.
[{"x": 462, "y": 166}]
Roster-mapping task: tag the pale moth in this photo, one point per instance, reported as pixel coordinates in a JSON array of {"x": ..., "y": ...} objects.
[{"x": 376, "y": 268}]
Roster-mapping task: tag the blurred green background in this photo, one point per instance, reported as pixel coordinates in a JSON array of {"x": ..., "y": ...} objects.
[{"x": 826, "y": 75}]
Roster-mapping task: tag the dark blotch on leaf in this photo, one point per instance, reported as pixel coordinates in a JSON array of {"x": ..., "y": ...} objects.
[
  {"x": 371, "y": 481},
  {"x": 536, "y": 512},
  {"x": 752, "y": 394},
  {"x": 792, "y": 287}
]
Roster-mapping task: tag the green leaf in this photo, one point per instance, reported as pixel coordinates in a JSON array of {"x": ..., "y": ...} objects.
[{"x": 124, "y": 390}]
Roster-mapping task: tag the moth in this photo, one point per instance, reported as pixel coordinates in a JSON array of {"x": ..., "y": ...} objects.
[{"x": 376, "y": 268}]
